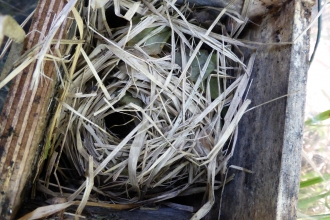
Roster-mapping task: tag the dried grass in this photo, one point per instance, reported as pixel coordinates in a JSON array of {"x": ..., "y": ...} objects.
[{"x": 179, "y": 83}]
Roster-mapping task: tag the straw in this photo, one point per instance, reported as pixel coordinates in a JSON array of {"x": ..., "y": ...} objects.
[{"x": 146, "y": 109}]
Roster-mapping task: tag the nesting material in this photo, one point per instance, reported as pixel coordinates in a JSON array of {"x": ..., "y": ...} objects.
[
  {"x": 148, "y": 105},
  {"x": 10, "y": 28}
]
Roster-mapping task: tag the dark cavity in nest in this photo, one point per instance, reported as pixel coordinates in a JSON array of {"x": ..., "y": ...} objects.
[{"x": 119, "y": 124}]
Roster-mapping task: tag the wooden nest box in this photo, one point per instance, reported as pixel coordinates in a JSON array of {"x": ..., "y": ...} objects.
[{"x": 270, "y": 136}]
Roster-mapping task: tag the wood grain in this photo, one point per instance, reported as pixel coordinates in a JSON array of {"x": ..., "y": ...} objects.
[
  {"x": 270, "y": 137},
  {"x": 24, "y": 117}
]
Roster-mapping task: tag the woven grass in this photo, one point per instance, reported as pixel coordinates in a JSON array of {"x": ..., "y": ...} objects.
[{"x": 148, "y": 103}]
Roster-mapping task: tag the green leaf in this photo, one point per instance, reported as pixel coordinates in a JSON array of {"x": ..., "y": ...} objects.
[
  {"x": 313, "y": 181},
  {"x": 155, "y": 43},
  {"x": 128, "y": 98},
  {"x": 195, "y": 69},
  {"x": 214, "y": 88},
  {"x": 318, "y": 118},
  {"x": 139, "y": 37},
  {"x": 198, "y": 63}
]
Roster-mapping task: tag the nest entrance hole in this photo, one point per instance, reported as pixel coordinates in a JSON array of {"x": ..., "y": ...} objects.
[{"x": 120, "y": 124}]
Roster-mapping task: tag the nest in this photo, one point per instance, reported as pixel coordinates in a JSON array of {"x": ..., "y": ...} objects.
[{"x": 148, "y": 105}]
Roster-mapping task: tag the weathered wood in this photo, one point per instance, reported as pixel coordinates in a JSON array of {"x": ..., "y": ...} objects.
[
  {"x": 270, "y": 137},
  {"x": 24, "y": 117},
  {"x": 257, "y": 7}
]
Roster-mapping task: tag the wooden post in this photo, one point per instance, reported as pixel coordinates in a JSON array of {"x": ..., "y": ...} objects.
[{"x": 270, "y": 137}]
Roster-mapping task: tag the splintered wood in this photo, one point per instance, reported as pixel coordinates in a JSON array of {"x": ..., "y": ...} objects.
[{"x": 148, "y": 105}]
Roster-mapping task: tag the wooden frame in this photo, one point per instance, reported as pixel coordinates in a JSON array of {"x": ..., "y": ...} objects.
[{"x": 270, "y": 137}]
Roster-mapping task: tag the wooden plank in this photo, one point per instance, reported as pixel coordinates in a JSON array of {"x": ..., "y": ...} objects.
[
  {"x": 270, "y": 137},
  {"x": 24, "y": 117}
]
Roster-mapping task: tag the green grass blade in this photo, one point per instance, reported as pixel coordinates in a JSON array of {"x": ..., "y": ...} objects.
[
  {"x": 305, "y": 203},
  {"x": 313, "y": 181},
  {"x": 318, "y": 118},
  {"x": 324, "y": 216}
]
